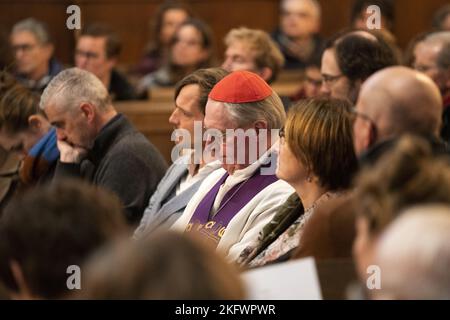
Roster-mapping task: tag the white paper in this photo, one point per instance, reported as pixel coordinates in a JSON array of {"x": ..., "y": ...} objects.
[{"x": 292, "y": 280}]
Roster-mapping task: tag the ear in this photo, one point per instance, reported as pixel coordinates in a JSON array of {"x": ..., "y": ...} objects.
[
  {"x": 35, "y": 122},
  {"x": 265, "y": 73},
  {"x": 259, "y": 125},
  {"x": 88, "y": 112},
  {"x": 24, "y": 291}
]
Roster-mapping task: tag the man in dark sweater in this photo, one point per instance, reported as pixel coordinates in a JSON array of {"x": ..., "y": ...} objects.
[{"x": 99, "y": 144}]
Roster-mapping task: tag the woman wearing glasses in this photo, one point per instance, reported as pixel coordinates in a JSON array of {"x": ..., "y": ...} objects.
[{"x": 317, "y": 159}]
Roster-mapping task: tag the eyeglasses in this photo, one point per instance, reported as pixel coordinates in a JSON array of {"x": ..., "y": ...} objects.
[
  {"x": 373, "y": 127},
  {"x": 329, "y": 79},
  {"x": 86, "y": 54},
  {"x": 23, "y": 47},
  {"x": 314, "y": 82}
]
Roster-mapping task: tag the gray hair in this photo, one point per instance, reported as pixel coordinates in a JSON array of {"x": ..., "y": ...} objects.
[
  {"x": 442, "y": 39},
  {"x": 36, "y": 27},
  {"x": 74, "y": 86},
  {"x": 414, "y": 255},
  {"x": 270, "y": 110}
]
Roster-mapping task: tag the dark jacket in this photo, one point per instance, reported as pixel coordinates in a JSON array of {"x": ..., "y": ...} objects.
[
  {"x": 124, "y": 162},
  {"x": 292, "y": 61},
  {"x": 119, "y": 87}
]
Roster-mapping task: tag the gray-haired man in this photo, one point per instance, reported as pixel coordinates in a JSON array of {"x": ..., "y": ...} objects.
[{"x": 97, "y": 143}]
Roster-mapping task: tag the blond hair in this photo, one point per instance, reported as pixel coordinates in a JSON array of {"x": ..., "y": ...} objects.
[{"x": 267, "y": 53}]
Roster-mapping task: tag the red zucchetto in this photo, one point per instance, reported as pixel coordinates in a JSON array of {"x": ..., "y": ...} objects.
[{"x": 241, "y": 87}]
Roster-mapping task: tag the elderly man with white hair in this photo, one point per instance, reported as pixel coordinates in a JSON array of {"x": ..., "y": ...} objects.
[
  {"x": 236, "y": 201},
  {"x": 99, "y": 144},
  {"x": 414, "y": 255}
]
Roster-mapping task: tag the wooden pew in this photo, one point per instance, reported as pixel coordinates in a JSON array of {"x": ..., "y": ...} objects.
[{"x": 152, "y": 119}]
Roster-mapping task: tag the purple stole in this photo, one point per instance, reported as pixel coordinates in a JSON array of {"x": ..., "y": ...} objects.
[{"x": 234, "y": 200}]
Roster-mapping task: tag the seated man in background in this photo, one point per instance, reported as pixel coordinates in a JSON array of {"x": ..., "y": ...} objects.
[
  {"x": 98, "y": 144},
  {"x": 432, "y": 57},
  {"x": 297, "y": 36},
  {"x": 51, "y": 228},
  {"x": 33, "y": 54},
  {"x": 236, "y": 201},
  {"x": 252, "y": 50},
  {"x": 349, "y": 60},
  {"x": 97, "y": 51},
  {"x": 184, "y": 177},
  {"x": 393, "y": 102},
  {"x": 414, "y": 255}
]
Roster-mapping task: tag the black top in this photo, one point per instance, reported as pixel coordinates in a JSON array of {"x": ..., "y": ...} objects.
[
  {"x": 124, "y": 162},
  {"x": 292, "y": 61},
  {"x": 120, "y": 88}
]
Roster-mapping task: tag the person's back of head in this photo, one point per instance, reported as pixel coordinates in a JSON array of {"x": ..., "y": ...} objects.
[
  {"x": 161, "y": 266},
  {"x": 410, "y": 174},
  {"x": 414, "y": 255},
  {"x": 393, "y": 102},
  {"x": 50, "y": 229}
]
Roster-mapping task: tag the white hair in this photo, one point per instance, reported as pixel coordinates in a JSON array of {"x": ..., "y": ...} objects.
[
  {"x": 72, "y": 87},
  {"x": 37, "y": 28},
  {"x": 270, "y": 110},
  {"x": 414, "y": 255}
]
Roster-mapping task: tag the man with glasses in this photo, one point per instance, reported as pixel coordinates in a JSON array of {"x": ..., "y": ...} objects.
[
  {"x": 33, "y": 51},
  {"x": 97, "y": 51},
  {"x": 393, "y": 102},
  {"x": 349, "y": 60}
]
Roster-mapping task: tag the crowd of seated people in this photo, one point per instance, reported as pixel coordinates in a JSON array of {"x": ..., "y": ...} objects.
[{"x": 353, "y": 167}]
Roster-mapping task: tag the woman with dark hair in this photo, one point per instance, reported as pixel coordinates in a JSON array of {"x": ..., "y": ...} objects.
[
  {"x": 191, "y": 48},
  {"x": 317, "y": 159},
  {"x": 169, "y": 16}
]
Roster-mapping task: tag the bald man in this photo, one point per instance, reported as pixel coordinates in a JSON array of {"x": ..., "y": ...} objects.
[
  {"x": 395, "y": 101},
  {"x": 297, "y": 35}
]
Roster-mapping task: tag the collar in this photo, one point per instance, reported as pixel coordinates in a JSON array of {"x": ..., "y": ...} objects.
[{"x": 264, "y": 162}]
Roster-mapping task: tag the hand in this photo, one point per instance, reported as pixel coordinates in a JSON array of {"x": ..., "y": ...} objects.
[{"x": 69, "y": 153}]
